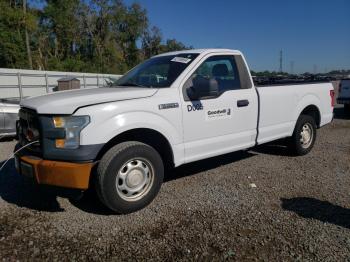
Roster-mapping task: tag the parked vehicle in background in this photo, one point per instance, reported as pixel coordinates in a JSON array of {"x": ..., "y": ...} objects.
[
  {"x": 9, "y": 108},
  {"x": 344, "y": 94},
  {"x": 173, "y": 109}
]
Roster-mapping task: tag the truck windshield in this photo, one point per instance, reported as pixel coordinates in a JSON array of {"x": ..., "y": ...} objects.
[{"x": 157, "y": 72}]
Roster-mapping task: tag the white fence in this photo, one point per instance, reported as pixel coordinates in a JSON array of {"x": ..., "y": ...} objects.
[{"x": 23, "y": 83}]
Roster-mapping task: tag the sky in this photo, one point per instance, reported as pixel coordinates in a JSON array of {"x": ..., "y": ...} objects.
[{"x": 314, "y": 35}]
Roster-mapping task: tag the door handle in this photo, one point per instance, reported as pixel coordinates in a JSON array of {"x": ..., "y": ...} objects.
[{"x": 242, "y": 103}]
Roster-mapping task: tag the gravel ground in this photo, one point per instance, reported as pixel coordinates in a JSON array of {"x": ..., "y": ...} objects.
[{"x": 299, "y": 210}]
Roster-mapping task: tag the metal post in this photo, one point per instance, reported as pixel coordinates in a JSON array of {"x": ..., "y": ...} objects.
[
  {"x": 47, "y": 83},
  {"x": 84, "y": 81},
  {"x": 20, "y": 85},
  {"x": 98, "y": 81}
]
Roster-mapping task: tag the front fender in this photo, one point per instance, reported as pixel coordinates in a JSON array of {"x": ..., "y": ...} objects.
[{"x": 100, "y": 132}]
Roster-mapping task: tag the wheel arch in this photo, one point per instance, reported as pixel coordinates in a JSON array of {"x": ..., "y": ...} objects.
[
  {"x": 309, "y": 104},
  {"x": 314, "y": 112},
  {"x": 147, "y": 136}
]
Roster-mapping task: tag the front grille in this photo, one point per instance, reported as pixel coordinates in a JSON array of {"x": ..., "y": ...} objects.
[{"x": 28, "y": 129}]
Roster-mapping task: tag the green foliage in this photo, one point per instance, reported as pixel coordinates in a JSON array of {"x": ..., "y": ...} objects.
[
  {"x": 12, "y": 48},
  {"x": 151, "y": 42},
  {"x": 78, "y": 35},
  {"x": 173, "y": 45}
]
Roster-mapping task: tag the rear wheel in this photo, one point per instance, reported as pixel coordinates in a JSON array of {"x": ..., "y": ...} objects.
[
  {"x": 129, "y": 177},
  {"x": 304, "y": 135}
]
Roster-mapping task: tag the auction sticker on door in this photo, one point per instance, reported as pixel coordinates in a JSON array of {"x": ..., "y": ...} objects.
[{"x": 216, "y": 114}]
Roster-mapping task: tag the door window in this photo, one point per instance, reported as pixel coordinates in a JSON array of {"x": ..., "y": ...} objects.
[{"x": 220, "y": 69}]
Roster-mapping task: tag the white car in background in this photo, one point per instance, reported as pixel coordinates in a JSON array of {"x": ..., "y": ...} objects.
[
  {"x": 344, "y": 94},
  {"x": 9, "y": 108}
]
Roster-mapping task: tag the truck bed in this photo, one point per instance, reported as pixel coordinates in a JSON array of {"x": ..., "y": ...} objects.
[{"x": 281, "y": 105}]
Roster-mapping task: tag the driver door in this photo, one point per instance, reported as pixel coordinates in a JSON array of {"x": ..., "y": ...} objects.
[{"x": 221, "y": 123}]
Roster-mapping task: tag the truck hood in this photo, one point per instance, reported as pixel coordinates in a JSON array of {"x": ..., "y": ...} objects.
[{"x": 67, "y": 102}]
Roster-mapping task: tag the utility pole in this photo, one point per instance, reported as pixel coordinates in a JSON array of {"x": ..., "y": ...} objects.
[{"x": 281, "y": 61}]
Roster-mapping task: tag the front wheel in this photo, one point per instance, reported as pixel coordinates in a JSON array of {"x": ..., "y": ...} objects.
[
  {"x": 304, "y": 135},
  {"x": 129, "y": 177}
]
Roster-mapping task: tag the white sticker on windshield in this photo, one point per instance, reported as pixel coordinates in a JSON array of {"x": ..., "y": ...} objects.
[{"x": 181, "y": 59}]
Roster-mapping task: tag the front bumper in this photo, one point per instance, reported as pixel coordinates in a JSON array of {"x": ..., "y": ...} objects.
[{"x": 55, "y": 173}]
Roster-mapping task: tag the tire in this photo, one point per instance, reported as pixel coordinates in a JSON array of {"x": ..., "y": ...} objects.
[
  {"x": 301, "y": 144},
  {"x": 129, "y": 177}
]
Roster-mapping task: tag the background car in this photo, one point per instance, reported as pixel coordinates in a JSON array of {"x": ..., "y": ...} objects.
[
  {"x": 9, "y": 108},
  {"x": 344, "y": 94}
]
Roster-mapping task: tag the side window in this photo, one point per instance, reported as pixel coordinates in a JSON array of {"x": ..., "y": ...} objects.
[{"x": 222, "y": 70}]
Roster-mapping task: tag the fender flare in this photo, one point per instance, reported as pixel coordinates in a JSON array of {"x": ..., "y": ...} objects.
[{"x": 306, "y": 101}]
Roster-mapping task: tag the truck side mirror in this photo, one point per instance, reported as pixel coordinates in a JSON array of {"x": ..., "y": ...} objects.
[{"x": 203, "y": 87}]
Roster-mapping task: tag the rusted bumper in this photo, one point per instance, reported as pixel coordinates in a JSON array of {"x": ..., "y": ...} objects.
[{"x": 55, "y": 173}]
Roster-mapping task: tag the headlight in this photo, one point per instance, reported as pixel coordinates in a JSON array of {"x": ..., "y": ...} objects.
[{"x": 73, "y": 126}]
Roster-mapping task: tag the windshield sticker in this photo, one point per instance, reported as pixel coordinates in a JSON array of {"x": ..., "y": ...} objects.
[
  {"x": 218, "y": 114},
  {"x": 179, "y": 59}
]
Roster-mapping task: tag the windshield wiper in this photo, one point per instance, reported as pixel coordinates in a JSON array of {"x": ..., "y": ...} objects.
[{"x": 131, "y": 84}]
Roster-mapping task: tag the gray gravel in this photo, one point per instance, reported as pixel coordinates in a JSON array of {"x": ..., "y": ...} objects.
[{"x": 299, "y": 210}]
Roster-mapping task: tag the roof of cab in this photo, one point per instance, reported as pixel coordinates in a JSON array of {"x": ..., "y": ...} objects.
[{"x": 202, "y": 51}]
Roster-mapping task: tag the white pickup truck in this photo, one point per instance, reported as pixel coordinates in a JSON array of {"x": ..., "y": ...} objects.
[{"x": 172, "y": 109}]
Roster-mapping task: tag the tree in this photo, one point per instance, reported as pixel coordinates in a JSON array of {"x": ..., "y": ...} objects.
[
  {"x": 16, "y": 23},
  {"x": 174, "y": 45},
  {"x": 29, "y": 54},
  {"x": 60, "y": 18},
  {"x": 131, "y": 22},
  {"x": 151, "y": 42},
  {"x": 78, "y": 35}
]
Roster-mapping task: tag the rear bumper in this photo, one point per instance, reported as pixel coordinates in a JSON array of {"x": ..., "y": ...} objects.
[
  {"x": 343, "y": 100},
  {"x": 55, "y": 173}
]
